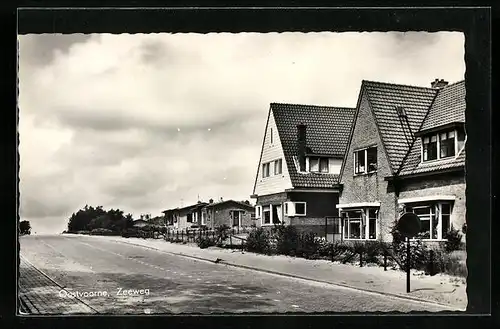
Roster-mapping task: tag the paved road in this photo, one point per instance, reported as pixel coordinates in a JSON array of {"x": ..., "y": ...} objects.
[{"x": 164, "y": 283}]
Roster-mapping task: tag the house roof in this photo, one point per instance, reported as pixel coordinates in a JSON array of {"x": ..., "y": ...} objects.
[
  {"x": 200, "y": 204},
  {"x": 220, "y": 203},
  {"x": 385, "y": 99},
  {"x": 449, "y": 107},
  {"x": 327, "y": 134}
]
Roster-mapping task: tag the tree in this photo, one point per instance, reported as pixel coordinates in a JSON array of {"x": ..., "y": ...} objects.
[{"x": 25, "y": 227}]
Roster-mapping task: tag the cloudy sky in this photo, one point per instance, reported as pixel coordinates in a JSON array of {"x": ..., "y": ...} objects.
[{"x": 146, "y": 122}]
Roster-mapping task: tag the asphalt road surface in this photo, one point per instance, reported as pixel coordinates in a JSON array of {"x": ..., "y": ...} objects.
[{"x": 140, "y": 280}]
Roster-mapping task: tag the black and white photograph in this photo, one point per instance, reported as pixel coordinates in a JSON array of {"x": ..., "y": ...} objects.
[{"x": 242, "y": 173}]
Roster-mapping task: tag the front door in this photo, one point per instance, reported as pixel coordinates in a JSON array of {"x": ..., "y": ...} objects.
[{"x": 236, "y": 218}]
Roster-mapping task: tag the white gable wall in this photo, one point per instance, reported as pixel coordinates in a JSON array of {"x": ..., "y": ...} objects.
[{"x": 270, "y": 152}]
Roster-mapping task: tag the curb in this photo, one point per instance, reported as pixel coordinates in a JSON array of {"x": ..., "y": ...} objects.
[
  {"x": 416, "y": 299},
  {"x": 56, "y": 283}
]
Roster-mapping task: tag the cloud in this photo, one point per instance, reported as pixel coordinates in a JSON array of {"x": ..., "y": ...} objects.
[{"x": 142, "y": 121}]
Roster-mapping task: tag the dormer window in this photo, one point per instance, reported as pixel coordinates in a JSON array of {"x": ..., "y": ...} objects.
[
  {"x": 317, "y": 164},
  {"x": 442, "y": 145}
]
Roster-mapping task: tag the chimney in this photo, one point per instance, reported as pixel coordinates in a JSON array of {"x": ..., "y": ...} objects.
[
  {"x": 301, "y": 146},
  {"x": 221, "y": 199},
  {"x": 438, "y": 84},
  {"x": 211, "y": 201}
]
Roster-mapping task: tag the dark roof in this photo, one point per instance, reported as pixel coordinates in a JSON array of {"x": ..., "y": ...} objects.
[
  {"x": 139, "y": 221},
  {"x": 200, "y": 204},
  {"x": 385, "y": 99},
  {"x": 239, "y": 203},
  {"x": 449, "y": 107},
  {"x": 327, "y": 133}
]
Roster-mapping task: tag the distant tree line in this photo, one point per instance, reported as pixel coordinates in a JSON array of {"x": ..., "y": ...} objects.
[
  {"x": 24, "y": 227},
  {"x": 90, "y": 218}
]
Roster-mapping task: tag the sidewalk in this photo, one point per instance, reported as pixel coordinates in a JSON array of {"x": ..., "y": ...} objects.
[
  {"x": 40, "y": 295},
  {"x": 441, "y": 289}
]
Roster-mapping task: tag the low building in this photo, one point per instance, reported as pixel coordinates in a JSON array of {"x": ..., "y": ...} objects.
[
  {"x": 140, "y": 223},
  {"x": 185, "y": 217},
  {"x": 406, "y": 153},
  {"x": 234, "y": 214}
]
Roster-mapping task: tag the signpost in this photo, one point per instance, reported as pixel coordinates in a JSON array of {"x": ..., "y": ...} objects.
[{"x": 409, "y": 226}]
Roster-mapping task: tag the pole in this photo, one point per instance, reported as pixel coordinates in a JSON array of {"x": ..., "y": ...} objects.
[
  {"x": 385, "y": 260},
  {"x": 408, "y": 265}
]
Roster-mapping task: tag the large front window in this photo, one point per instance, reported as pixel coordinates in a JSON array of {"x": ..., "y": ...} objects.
[
  {"x": 365, "y": 161},
  {"x": 265, "y": 170},
  {"x": 434, "y": 219},
  {"x": 360, "y": 224}
]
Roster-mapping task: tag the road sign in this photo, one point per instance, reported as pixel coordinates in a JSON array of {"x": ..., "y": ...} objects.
[{"x": 409, "y": 225}]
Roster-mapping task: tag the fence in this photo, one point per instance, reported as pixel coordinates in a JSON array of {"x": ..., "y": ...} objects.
[{"x": 236, "y": 235}]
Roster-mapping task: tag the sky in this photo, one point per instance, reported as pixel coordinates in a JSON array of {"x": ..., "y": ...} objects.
[{"x": 148, "y": 122}]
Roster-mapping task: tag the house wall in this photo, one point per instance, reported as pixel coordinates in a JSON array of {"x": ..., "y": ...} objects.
[
  {"x": 223, "y": 216},
  {"x": 447, "y": 184},
  {"x": 370, "y": 187},
  {"x": 271, "y": 152}
]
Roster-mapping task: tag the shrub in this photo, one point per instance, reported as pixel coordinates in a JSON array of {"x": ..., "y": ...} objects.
[
  {"x": 308, "y": 245},
  {"x": 419, "y": 254},
  {"x": 205, "y": 242},
  {"x": 287, "y": 239},
  {"x": 464, "y": 228},
  {"x": 372, "y": 251},
  {"x": 102, "y": 231},
  {"x": 454, "y": 240},
  {"x": 131, "y": 233},
  {"x": 258, "y": 241}
]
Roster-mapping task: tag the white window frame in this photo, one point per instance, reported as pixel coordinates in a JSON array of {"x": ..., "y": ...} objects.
[
  {"x": 270, "y": 216},
  {"x": 268, "y": 165},
  {"x": 438, "y": 215},
  {"x": 204, "y": 218},
  {"x": 258, "y": 212},
  {"x": 305, "y": 208},
  {"x": 363, "y": 219},
  {"x": 240, "y": 214},
  {"x": 365, "y": 171},
  {"x": 280, "y": 161},
  {"x": 438, "y": 136}
]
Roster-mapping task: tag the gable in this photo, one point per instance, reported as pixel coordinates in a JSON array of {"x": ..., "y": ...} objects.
[
  {"x": 272, "y": 150},
  {"x": 365, "y": 133},
  {"x": 384, "y": 99}
]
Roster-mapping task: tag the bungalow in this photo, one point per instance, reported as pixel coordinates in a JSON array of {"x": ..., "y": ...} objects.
[
  {"x": 139, "y": 223},
  {"x": 406, "y": 153},
  {"x": 234, "y": 214},
  {"x": 185, "y": 217},
  {"x": 297, "y": 176}
]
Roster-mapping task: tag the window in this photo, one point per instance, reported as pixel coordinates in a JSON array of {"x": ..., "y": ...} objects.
[
  {"x": 203, "y": 218},
  {"x": 258, "y": 210},
  {"x": 353, "y": 225},
  {"x": 371, "y": 159},
  {"x": 434, "y": 219},
  {"x": 365, "y": 161},
  {"x": 189, "y": 218},
  {"x": 265, "y": 170},
  {"x": 267, "y": 216},
  {"x": 236, "y": 217},
  {"x": 271, "y": 134},
  {"x": 442, "y": 145},
  {"x": 360, "y": 224},
  {"x": 336, "y": 226},
  {"x": 278, "y": 167},
  {"x": 447, "y": 144},
  {"x": 314, "y": 164},
  {"x": 300, "y": 208},
  {"x": 286, "y": 208},
  {"x": 323, "y": 165}
]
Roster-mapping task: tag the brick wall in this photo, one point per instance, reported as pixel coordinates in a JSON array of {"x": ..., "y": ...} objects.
[
  {"x": 221, "y": 215},
  {"x": 370, "y": 187}
]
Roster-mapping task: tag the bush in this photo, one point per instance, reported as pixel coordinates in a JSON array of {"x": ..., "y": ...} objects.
[
  {"x": 205, "y": 242},
  {"x": 454, "y": 240},
  {"x": 131, "y": 233},
  {"x": 258, "y": 241},
  {"x": 308, "y": 245},
  {"x": 419, "y": 254},
  {"x": 102, "y": 231},
  {"x": 372, "y": 251},
  {"x": 287, "y": 239}
]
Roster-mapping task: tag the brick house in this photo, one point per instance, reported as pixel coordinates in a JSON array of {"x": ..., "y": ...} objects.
[
  {"x": 185, "y": 217},
  {"x": 232, "y": 213},
  {"x": 406, "y": 153},
  {"x": 297, "y": 176}
]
